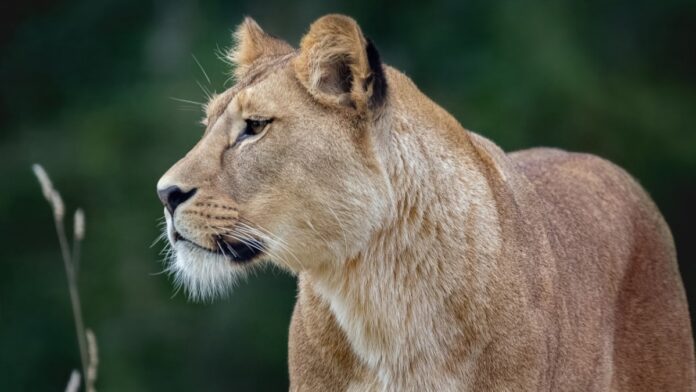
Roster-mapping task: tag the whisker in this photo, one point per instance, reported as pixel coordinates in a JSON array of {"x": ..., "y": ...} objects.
[
  {"x": 164, "y": 271},
  {"x": 272, "y": 238},
  {"x": 205, "y": 90},
  {"x": 201, "y": 67},
  {"x": 158, "y": 239},
  {"x": 217, "y": 233},
  {"x": 201, "y": 104},
  {"x": 245, "y": 223},
  {"x": 250, "y": 242}
]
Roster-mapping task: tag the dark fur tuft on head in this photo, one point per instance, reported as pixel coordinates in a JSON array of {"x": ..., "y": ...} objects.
[{"x": 378, "y": 77}]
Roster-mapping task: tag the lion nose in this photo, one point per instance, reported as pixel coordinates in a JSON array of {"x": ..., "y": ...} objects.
[{"x": 173, "y": 196}]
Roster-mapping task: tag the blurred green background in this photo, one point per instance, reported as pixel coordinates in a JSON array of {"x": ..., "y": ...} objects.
[{"x": 85, "y": 90}]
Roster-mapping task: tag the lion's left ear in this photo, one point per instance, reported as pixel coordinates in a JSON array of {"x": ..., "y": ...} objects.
[
  {"x": 339, "y": 66},
  {"x": 253, "y": 44}
]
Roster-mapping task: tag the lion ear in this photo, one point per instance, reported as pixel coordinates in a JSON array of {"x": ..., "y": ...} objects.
[
  {"x": 339, "y": 66},
  {"x": 253, "y": 44}
]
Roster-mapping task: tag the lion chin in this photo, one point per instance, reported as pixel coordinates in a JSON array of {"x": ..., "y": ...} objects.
[{"x": 203, "y": 275}]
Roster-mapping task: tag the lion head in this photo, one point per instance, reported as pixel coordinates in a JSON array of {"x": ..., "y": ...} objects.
[{"x": 289, "y": 169}]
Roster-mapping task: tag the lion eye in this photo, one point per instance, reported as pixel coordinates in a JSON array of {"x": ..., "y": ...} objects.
[{"x": 253, "y": 127}]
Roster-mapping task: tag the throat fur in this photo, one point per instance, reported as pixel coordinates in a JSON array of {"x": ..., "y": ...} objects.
[{"x": 400, "y": 300}]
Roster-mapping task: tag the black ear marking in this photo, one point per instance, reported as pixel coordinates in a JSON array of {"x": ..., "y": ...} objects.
[{"x": 377, "y": 78}]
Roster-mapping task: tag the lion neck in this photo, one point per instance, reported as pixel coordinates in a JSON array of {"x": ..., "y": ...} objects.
[{"x": 400, "y": 300}]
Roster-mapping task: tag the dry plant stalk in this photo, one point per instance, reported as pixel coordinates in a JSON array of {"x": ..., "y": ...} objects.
[
  {"x": 73, "y": 382},
  {"x": 86, "y": 340},
  {"x": 93, "y": 360}
]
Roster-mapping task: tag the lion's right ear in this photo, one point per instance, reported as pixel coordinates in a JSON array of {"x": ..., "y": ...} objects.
[
  {"x": 253, "y": 44},
  {"x": 339, "y": 66}
]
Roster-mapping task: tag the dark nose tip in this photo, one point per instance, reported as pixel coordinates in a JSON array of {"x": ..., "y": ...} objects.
[{"x": 173, "y": 196}]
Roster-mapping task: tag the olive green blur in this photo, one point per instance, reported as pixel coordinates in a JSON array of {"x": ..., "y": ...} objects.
[{"x": 92, "y": 90}]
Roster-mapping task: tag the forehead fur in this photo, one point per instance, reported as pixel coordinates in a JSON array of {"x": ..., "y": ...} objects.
[{"x": 256, "y": 73}]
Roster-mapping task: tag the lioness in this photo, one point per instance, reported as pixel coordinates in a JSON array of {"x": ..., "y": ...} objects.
[{"x": 428, "y": 259}]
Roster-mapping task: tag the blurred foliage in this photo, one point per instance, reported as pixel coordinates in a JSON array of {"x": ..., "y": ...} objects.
[{"x": 86, "y": 87}]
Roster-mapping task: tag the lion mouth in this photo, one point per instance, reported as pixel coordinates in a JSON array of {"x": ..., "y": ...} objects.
[{"x": 238, "y": 251}]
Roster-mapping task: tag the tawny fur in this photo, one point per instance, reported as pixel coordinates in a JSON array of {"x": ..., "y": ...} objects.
[{"x": 428, "y": 259}]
